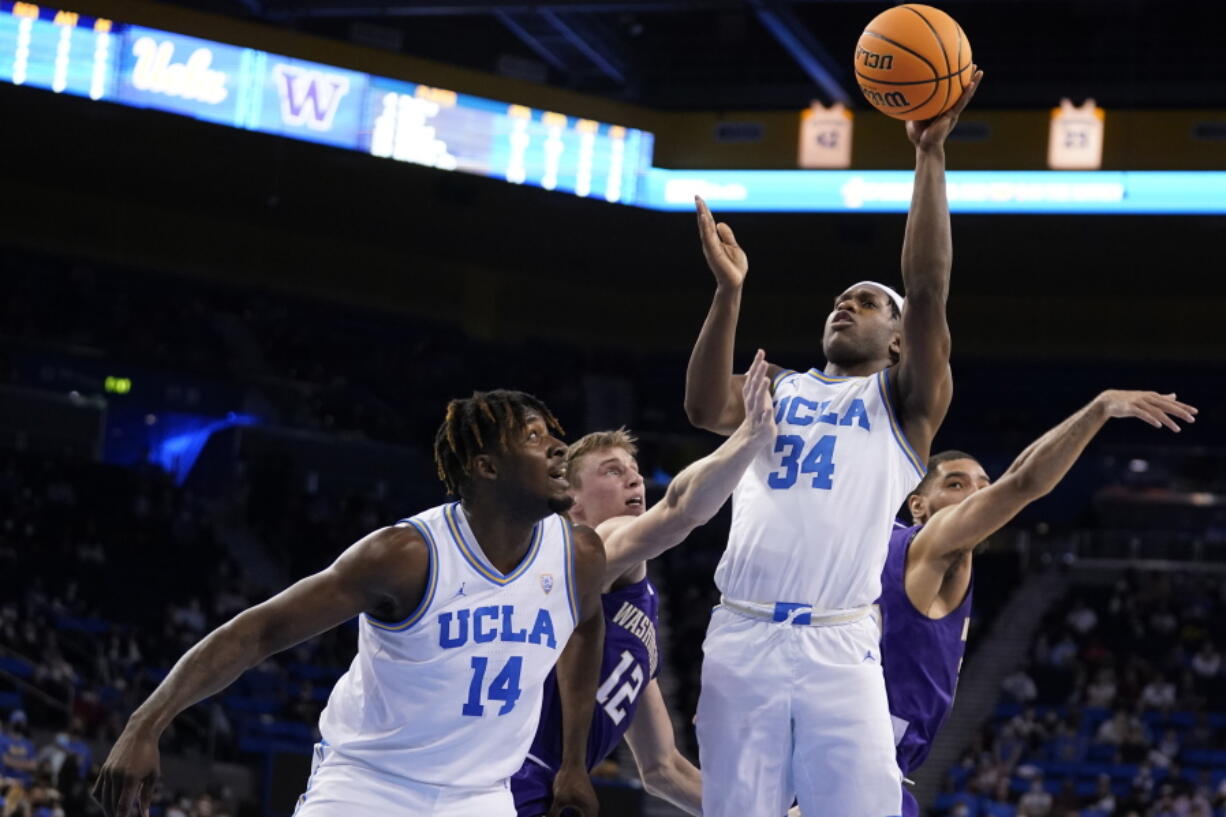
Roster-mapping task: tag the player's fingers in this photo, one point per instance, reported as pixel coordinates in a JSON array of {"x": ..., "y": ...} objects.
[
  {"x": 146, "y": 794},
  {"x": 1183, "y": 412},
  {"x": 969, "y": 93},
  {"x": 1163, "y": 416},
  {"x": 706, "y": 224},
  {"x": 128, "y": 792},
  {"x": 1186, "y": 408},
  {"x": 1144, "y": 413},
  {"x": 109, "y": 793},
  {"x": 725, "y": 234},
  {"x": 99, "y": 791}
]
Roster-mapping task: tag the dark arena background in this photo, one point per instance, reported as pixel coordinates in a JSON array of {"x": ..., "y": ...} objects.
[{"x": 250, "y": 248}]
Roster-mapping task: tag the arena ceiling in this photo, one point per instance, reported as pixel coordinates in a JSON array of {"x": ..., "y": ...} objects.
[{"x": 727, "y": 54}]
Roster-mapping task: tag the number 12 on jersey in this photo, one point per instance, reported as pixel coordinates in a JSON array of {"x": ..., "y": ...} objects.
[{"x": 819, "y": 461}]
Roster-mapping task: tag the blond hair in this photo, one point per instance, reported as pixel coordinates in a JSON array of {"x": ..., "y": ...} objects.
[{"x": 597, "y": 441}]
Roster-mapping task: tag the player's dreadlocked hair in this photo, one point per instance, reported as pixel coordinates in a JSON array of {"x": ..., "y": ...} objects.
[{"x": 487, "y": 421}]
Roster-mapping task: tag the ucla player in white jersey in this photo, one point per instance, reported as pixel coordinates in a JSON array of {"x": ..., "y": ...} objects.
[
  {"x": 793, "y": 701},
  {"x": 463, "y": 610}
]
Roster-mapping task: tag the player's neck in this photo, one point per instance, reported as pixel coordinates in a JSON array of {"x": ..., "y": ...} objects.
[
  {"x": 503, "y": 533},
  {"x": 862, "y": 369}
]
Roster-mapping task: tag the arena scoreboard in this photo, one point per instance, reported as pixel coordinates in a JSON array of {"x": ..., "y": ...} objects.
[{"x": 68, "y": 53}]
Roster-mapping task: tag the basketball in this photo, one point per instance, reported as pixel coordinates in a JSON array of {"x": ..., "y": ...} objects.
[{"x": 913, "y": 62}]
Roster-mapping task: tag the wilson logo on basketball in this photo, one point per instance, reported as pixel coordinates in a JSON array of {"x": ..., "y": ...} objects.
[{"x": 893, "y": 99}]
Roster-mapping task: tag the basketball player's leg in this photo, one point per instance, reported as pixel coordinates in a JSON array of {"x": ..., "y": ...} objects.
[
  {"x": 844, "y": 759},
  {"x": 744, "y": 722}
]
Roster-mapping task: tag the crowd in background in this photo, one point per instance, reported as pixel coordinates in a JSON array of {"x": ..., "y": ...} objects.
[{"x": 1119, "y": 712}]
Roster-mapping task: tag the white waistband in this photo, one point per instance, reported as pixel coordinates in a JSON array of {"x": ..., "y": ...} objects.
[{"x": 770, "y": 611}]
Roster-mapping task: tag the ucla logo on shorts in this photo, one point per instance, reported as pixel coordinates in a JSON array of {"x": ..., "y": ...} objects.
[{"x": 546, "y": 582}]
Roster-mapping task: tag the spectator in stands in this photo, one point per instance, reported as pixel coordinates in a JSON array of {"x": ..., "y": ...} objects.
[
  {"x": 1158, "y": 694},
  {"x": 1067, "y": 746},
  {"x": 1103, "y": 798},
  {"x": 19, "y": 756},
  {"x": 1020, "y": 686},
  {"x": 1202, "y": 734},
  {"x": 1207, "y": 662},
  {"x": 1102, "y": 692},
  {"x": 1082, "y": 618},
  {"x": 1037, "y": 802}
]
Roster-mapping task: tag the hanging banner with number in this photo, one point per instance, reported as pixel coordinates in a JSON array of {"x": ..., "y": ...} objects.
[
  {"x": 1076, "y": 139},
  {"x": 825, "y": 137}
]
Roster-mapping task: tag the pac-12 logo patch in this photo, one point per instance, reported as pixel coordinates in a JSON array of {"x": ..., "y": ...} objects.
[{"x": 546, "y": 582}]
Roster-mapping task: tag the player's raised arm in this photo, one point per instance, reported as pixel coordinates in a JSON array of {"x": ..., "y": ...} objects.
[
  {"x": 665, "y": 772},
  {"x": 712, "y": 391},
  {"x": 578, "y": 673},
  {"x": 702, "y": 487},
  {"x": 383, "y": 573},
  {"x": 957, "y": 529},
  {"x": 922, "y": 376}
]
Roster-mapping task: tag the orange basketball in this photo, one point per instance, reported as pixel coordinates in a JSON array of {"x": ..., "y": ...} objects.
[{"x": 913, "y": 62}]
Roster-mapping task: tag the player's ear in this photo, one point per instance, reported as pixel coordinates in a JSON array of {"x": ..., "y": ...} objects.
[
  {"x": 917, "y": 504},
  {"x": 896, "y": 346},
  {"x": 484, "y": 467}
]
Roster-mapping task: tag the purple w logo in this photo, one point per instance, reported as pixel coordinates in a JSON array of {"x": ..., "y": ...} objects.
[{"x": 309, "y": 97}]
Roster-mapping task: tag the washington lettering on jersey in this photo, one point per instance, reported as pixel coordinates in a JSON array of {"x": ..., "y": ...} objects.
[
  {"x": 639, "y": 624},
  {"x": 494, "y": 623}
]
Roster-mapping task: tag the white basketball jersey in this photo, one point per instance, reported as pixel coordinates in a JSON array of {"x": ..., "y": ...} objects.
[
  {"x": 452, "y": 694},
  {"x": 811, "y": 517}
]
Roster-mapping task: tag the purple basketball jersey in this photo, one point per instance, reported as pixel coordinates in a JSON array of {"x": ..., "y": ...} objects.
[
  {"x": 920, "y": 656},
  {"x": 631, "y": 616}
]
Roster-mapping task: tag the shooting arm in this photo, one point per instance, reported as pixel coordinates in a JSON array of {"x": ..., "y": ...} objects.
[
  {"x": 357, "y": 581},
  {"x": 923, "y": 379},
  {"x": 666, "y": 773}
]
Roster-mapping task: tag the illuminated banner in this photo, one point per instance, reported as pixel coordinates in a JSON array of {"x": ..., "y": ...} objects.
[
  {"x": 450, "y": 131},
  {"x": 255, "y": 90},
  {"x": 970, "y": 191}
]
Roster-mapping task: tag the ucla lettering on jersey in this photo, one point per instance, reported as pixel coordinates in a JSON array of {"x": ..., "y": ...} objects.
[
  {"x": 452, "y": 694},
  {"x": 811, "y": 515}
]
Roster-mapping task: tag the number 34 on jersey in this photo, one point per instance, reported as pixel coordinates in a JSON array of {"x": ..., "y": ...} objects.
[{"x": 801, "y": 461}]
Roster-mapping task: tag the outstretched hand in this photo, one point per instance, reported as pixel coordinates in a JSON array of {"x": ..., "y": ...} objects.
[
  {"x": 931, "y": 133},
  {"x": 759, "y": 407},
  {"x": 125, "y": 785},
  {"x": 1155, "y": 409},
  {"x": 725, "y": 257}
]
